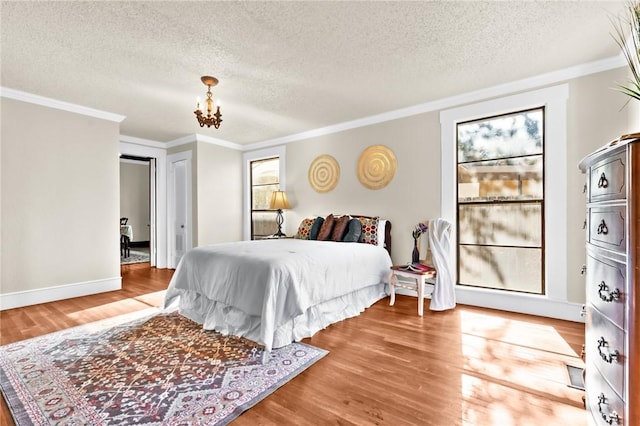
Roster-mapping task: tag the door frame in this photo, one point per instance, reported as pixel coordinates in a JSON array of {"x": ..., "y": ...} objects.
[
  {"x": 171, "y": 205},
  {"x": 160, "y": 211}
]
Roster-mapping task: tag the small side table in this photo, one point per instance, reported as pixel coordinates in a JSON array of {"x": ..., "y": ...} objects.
[{"x": 409, "y": 280}]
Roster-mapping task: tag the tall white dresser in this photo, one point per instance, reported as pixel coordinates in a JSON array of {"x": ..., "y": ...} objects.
[{"x": 612, "y": 334}]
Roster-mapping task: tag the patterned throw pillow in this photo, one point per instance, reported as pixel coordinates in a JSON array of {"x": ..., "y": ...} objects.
[
  {"x": 305, "y": 228},
  {"x": 369, "y": 230}
]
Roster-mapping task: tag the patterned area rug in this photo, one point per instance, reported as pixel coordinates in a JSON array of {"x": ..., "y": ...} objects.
[
  {"x": 159, "y": 369},
  {"x": 134, "y": 257}
]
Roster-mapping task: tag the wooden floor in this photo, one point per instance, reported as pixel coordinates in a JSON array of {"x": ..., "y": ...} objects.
[{"x": 469, "y": 366}]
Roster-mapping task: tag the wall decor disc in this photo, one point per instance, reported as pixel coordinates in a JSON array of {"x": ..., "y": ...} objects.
[
  {"x": 324, "y": 173},
  {"x": 376, "y": 167}
]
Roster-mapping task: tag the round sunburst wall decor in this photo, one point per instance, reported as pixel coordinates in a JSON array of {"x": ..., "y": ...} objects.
[
  {"x": 376, "y": 167},
  {"x": 324, "y": 173}
]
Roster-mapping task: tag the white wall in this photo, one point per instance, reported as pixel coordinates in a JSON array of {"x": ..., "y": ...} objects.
[
  {"x": 594, "y": 117},
  {"x": 60, "y": 203},
  {"x": 219, "y": 194},
  {"x": 216, "y": 192},
  {"x": 59, "y": 186},
  {"x": 412, "y": 196}
]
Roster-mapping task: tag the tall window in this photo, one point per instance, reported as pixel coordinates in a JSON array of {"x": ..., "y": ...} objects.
[
  {"x": 500, "y": 208},
  {"x": 265, "y": 178}
]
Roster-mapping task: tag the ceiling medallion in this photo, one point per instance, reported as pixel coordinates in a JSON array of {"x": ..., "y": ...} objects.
[
  {"x": 210, "y": 119},
  {"x": 376, "y": 167},
  {"x": 324, "y": 173}
]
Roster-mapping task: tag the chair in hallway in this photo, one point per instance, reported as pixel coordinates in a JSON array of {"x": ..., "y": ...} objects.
[{"x": 126, "y": 234}]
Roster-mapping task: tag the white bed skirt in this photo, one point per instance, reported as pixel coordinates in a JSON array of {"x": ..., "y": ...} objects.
[{"x": 229, "y": 320}]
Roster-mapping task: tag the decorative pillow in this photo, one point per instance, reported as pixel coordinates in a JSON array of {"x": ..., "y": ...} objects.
[
  {"x": 340, "y": 227},
  {"x": 304, "y": 228},
  {"x": 382, "y": 224},
  {"x": 327, "y": 228},
  {"x": 315, "y": 228},
  {"x": 354, "y": 230},
  {"x": 369, "y": 230}
]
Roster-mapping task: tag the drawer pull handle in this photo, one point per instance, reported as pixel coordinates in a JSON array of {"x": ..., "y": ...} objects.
[
  {"x": 603, "y": 182},
  {"x": 602, "y": 228},
  {"x": 607, "y": 357},
  {"x": 610, "y": 418},
  {"x": 606, "y": 295}
]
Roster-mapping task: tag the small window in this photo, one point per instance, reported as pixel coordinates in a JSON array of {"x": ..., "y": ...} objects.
[{"x": 265, "y": 179}]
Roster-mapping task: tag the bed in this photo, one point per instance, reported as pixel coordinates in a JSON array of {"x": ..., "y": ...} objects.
[{"x": 278, "y": 291}]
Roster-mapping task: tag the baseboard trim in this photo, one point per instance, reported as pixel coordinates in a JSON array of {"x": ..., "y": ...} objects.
[
  {"x": 50, "y": 294},
  {"x": 139, "y": 244},
  {"x": 512, "y": 302}
]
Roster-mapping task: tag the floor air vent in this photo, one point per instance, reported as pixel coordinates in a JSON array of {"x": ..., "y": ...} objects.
[{"x": 576, "y": 379}]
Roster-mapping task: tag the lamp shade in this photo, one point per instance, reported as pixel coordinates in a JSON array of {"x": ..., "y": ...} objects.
[{"x": 279, "y": 201}]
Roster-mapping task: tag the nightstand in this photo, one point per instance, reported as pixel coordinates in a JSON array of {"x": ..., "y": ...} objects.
[{"x": 403, "y": 277}]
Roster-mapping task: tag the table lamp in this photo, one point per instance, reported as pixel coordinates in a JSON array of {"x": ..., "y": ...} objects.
[{"x": 279, "y": 202}]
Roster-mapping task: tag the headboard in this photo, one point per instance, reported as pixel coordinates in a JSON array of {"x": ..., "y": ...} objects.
[{"x": 387, "y": 236}]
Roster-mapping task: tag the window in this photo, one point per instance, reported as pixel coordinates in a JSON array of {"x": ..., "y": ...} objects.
[
  {"x": 554, "y": 302},
  {"x": 500, "y": 208},
  {"x": 265, "y": 179},
  {"x": 277, "y": 155}
]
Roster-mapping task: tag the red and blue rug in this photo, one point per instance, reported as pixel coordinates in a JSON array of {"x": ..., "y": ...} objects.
[{"x": 159, "y": 369}]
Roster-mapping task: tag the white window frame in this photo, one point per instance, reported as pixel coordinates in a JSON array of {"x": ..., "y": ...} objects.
[
  {"x": 554, "y": 303},
  {"x": 247, "y": 158}
]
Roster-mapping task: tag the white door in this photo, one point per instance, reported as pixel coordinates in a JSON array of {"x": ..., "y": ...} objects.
[{"x": 179, "y": 204}]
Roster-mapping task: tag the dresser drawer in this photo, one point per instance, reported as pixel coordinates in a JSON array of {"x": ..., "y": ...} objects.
[
  {"x": 604, "y": 404},
  {"x": 606, "y": 227},
  {"x": 607, "y": 179},
  {"x": 606, "y": 288},
  {"x": 605, "y": 346}
]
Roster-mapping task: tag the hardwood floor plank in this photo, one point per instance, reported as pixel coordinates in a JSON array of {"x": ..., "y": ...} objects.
[{"x": 469, "y": 366}]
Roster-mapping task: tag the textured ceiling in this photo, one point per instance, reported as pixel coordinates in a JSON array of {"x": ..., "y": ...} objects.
[{"x": 286, "y": 67}]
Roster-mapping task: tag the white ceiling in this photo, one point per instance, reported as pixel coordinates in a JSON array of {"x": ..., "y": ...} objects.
[{"x": 286, "y": 67}]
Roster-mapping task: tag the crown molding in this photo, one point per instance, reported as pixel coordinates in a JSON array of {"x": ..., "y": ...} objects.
[
  {"x": 141, "y": 141},
  {"x": 181, "y": 141},
  {"x": 440, "y": 104},
  {"x": 196, "y": 137},
  {"x": 453, "y": 101},
  {"x": 220, "y": 142},
  {"x": 6, "y": 92}
]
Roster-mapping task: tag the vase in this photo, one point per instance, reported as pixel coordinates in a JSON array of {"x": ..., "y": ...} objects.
[{"x": 415, "y": 256}]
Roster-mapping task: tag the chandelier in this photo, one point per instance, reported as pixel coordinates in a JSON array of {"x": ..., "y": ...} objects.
[{"x": 210, "y": 119}]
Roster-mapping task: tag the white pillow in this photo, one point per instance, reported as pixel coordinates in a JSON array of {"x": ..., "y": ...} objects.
[{"x": 382, "y": 225}]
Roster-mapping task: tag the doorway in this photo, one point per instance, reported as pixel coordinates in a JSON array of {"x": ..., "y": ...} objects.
[
  {"x": 137, "y": 197},
  {"x": 156, "y": 158}
]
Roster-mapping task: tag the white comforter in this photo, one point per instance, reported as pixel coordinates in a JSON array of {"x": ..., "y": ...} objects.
[{"x": 277, "y": 280}]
